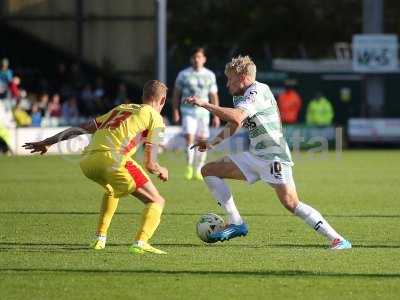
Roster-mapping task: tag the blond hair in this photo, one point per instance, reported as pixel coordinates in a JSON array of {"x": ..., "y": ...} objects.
[
  {"x": 241, "y": 65},
  {"x": 154, "y": 89}
]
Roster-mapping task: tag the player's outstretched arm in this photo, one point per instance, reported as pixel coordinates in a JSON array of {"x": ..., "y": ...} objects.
[
  {"x": 43, "y": 146},
  {"x": 150, "y": 163},
  {"x": 229, "y": 130},
  {"x": 231, "y": 115}
]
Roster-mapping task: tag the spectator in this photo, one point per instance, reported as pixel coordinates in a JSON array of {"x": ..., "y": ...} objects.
[
  {"x": 25, "y": 102},
  {"x": 319, "y": 111},
  {"x": 54, "y": 107},
  {"x": 21, "y": 117},
  {"x": 6, "y": 76},
  {"x": 43, "y": 103},
  {"x": 87, "y": 100},
  {"x": 289, "y": 102},
  {"x": 36, "y": 115},
  {"x": 70, "y": 111},
  {"x": 14, "y": 88},
  {"x": 65, "y": 84},
  {"x": 122, "y": 94}
]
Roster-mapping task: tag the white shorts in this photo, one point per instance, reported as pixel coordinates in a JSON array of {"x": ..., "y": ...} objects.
[
  {"x": 254, "y": 169},
  {"x": 198, "y": 127}
]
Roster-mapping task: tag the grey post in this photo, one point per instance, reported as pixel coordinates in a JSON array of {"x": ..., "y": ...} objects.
[
  {"x": 374, "y": 84},
  {"x": 161, "y": 40}
]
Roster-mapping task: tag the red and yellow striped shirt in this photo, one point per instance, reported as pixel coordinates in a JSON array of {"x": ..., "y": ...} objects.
[{"x": 126, "y": 126}]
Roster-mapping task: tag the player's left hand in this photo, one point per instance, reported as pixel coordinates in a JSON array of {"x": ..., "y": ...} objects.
[
  {"x": 216, "y": 122},
  {"x": 195, "y": 101},
  {"x": 41, "y": 147},
  {"x": 202, "y": 146},
  {"x": 163, "y": 174}
]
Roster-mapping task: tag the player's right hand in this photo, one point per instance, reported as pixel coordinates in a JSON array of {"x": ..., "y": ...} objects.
[
  {"x": 202, "y": 146},
  {"x": 41, "y": 147},
  {"x": 163, "y": 174},
  {"x": 195, "y": 101},
  {"x": 175, "y": 117}
]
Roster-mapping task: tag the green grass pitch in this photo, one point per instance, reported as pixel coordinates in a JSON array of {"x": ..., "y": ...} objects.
[{"x": 48, "y": 213}]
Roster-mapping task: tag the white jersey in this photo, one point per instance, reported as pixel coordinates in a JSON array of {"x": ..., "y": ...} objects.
[
  {"x": 196, "y": 83},
  {"x": 263, "y": 124}
]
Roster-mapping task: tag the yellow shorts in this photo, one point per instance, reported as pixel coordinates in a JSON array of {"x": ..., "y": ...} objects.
[{"x": 120, "y": 178}]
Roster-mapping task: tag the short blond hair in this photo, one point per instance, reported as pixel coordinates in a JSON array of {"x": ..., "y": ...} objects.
[
  {"x": 241, "y": 65},
  {"x": 154, "y": 89}
]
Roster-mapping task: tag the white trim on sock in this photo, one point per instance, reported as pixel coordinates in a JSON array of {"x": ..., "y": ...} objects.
[
  {"x": 139, "y": 243},
  {"x": 102, "y": 238}
]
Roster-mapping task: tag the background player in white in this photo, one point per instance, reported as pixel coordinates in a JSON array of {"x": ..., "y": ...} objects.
[
  {"x": 268, "y": 158},
  {"x": 200, "y": 82}
]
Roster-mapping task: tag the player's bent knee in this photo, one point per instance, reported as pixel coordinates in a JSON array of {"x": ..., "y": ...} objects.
[
  {"x": 109, "y": 193},
  {"x": 157, "y": 199},
  {"x": 206, "y": 170},
  {"x": 209, "y": 169}
]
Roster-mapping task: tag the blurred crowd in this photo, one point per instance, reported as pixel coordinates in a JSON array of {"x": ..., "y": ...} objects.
[
  {"x": 319, "y": 111},
  {"x": 68, "y": 99}
]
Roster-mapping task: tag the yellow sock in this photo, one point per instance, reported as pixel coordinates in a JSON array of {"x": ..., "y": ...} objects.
[
  {"x": 151, "y": 216},
  {"x": 107, "y": 211}
]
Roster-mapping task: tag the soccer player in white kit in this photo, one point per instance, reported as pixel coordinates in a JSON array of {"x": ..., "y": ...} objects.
[
  {"x": 268, "y": 158},
  {"x": 200, "y": 82}
]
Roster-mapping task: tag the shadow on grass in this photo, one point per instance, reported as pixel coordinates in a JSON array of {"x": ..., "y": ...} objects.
[
  {"x": 268, "y": 245},
  {"x": 189, "y": 214},
  {"x": 324, "y": 246},
  {"x": 42, "y": 247},
  {"x": 246, "y": 246},
  {"x": 85, "y": 246},
  {"x": 258, "y": 273},
  {"x": 42, "y": 244}
]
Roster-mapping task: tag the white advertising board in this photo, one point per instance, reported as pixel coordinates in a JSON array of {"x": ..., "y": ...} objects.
[
  {"x": 374, "y": 130},
  {"x": 375, "y": 53},
  {"x": 173, "y": 140}
]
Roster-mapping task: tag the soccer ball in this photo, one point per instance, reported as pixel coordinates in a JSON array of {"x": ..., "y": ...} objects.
[{"x": 208, "y": 224}]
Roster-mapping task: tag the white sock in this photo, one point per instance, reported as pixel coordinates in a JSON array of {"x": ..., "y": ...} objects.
[
  {"x": 200, "y": 160},
  {"x": 102, "y": 238},
  {"x": 190, "y": 155},
  {"x": 313, "y": 218},
  {"x": 138, "y": 243},
  {"x": 221, "y": 193}
]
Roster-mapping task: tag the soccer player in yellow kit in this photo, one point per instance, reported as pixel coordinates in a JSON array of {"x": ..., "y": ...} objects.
[{"x": 107, "y": 161}]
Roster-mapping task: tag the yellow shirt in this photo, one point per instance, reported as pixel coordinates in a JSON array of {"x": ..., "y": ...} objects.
[
  {"x": 22, "y": 118},
  {"x": 125, "y": 127}
]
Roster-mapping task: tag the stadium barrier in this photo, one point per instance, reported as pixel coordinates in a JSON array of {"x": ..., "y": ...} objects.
[
  {"x": 298, "y": 137},
  {"x": 374, "y": 131}
]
